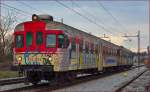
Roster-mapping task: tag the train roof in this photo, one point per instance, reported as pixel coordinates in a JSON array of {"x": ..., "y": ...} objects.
[
  {"x": 66, "y": 28},
  {"x": 86, "y": 34}
]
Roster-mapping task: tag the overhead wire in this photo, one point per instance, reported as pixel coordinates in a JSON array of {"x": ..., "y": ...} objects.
[
  {"x": 95, "y": 18},
  {"x": 23, "y": 12},
  {"x": 85, "y": 17},
  {"x": 18, "y": 11},
  {"x": 113, "y": 17},
  {"x": 31, "y": 7}
]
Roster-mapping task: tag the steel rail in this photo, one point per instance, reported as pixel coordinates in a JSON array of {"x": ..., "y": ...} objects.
[
  {"x": 54, "y": 85},
  {"x": 9, "y": 81}
]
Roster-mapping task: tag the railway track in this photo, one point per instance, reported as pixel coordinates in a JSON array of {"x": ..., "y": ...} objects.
[
  {"x": 9, "y": 81},
  {"x": 120, "y": 88},
  {"x": 53, "y": 85}
]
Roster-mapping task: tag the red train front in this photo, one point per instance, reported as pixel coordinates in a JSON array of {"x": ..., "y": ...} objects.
[{"x": 37, "y": 48}]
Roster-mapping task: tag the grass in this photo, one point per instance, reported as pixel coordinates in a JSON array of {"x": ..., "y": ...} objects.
[{"x": 8, "y": 74}]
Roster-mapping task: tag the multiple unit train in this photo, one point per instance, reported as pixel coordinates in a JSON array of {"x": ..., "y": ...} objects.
[{"x": 46, "y": 49}]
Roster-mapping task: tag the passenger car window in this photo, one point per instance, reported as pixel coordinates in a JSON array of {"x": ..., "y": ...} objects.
[
  {"x": 60, "y": 41},
  {"x": 73, "y": 46},
  {"x": 51, "y": 40},
  {"x": 66, "y": 41}
]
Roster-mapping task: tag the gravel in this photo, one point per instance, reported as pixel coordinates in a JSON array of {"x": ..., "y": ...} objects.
[{"x": 106, "y": 84}]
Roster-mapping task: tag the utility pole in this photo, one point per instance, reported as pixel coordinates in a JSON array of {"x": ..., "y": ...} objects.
[
  {"x": 149, "y": 38},
  {"x": 62, "y": 20},
  {"x": 149, "y": 26},
  {"x": 138, "y": 50},
  {"x": 106, "y": 37},
  {"x": 138, "y": 36}
]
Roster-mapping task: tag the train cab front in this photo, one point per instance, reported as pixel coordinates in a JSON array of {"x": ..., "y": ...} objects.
[{"x": 36, "y": 49}]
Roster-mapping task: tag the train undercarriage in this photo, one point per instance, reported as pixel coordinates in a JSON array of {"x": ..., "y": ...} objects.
[{"x": 34, "y": 74}]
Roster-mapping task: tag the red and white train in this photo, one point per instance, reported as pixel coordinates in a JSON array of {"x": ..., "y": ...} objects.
[{"x": 46, "y": 49}]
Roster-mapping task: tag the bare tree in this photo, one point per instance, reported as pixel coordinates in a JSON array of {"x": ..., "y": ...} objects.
[{"x": 6, "y": 26}]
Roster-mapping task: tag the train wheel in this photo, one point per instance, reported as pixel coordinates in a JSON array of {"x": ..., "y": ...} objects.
[
  {"x": 33, "y": 77},
  {"x": 58, "y": 77},
  {"x": 34, "y": 83},
  {"x": 71, "y": 76}
]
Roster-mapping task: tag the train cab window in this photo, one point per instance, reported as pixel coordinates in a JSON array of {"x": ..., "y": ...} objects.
[
  {"x": 60, "y": 40},
  {"x": 39, "y": 38},
  {"x": 51, "y": 40},
  {"x": 19, "y": 41},
  {"x": 29, "y": 38}
]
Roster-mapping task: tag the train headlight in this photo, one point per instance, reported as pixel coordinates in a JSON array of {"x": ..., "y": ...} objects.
[
  {"x": 19, "y": 58},
  {"x": 34, "y": 17},
  {"x": 50, "y": 58}
]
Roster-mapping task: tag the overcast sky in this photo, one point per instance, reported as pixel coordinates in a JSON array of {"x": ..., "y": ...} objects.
[{"x": 113, "y": 18}]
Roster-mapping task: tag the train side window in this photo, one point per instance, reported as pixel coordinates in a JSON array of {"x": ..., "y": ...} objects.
[
  {"x": 19, "y": 41},
  {"x": 51, "y": 40},
  {"x": 92, "y": 48},
  {"x": 104, "y": 50},
  {"x": 96, "y": 48},
  {"x": 87, "y": 47},
  {"x": 80, "y": 45},
  {"x": 66, "y": 44},
  {"x": 73, "y": 44},
  {"x": 118, "y": 52},
  {"x": 29, "y": 38},
  {"x": 60, "y": 41},
  {"x": 63, "y": 41},
  {"x": 39, "y": 38}
]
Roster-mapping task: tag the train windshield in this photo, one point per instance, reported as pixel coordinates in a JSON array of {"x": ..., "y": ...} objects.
[
  {"x": 51, "y": 40},
  {"x": 29, "y": 38},
  {"x": 39, "y": 39},
  {"x": 19, "y": 41}
]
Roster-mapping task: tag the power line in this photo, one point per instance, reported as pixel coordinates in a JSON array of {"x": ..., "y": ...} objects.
[
  {"x": 33, "y": 8},
  {"x": 95, "y": 18},
  {"x": 18, "y": 12},
  {"x": 24, "y": 12},
  {"x": 113, "y": 17},
  {"x": 21, "y": 2},
  {"x": 82, "y": 16}
]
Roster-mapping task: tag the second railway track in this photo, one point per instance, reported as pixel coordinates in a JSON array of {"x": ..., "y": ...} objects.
[{"x": 11, "y": 81}]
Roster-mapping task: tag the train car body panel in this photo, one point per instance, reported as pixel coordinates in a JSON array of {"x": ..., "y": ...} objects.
[{"x": 82, "y": 59}]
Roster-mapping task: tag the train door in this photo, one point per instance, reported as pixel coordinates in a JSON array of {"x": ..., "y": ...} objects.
[
  {"x": 74, "y": 54},
  {"x": 80, "y": 53},
  {"x": 100, "y": 56},
  {"x": 77, "y": 52}
]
